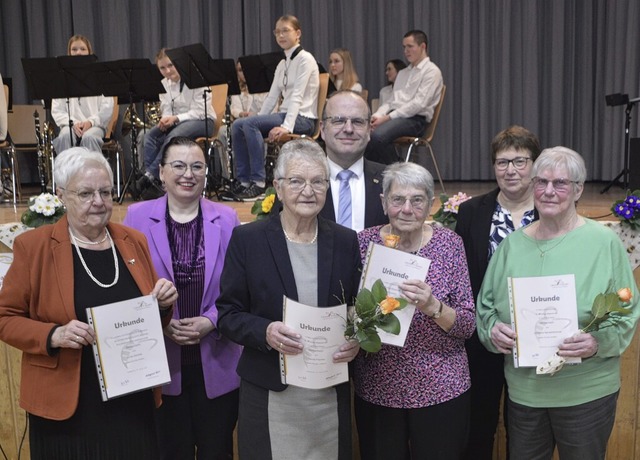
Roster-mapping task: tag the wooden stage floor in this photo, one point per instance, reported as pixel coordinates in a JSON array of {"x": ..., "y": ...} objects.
[{"x": 593, "y": 204}]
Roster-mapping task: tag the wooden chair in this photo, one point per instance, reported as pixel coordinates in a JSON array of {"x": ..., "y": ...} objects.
[
  {"x": 375, "y": 103},
  {"x": 426, "y": 139},
  {"x": 365, "y": 95},
  {"x": 219, "y": 105},
  {"x": 113, "y": 150},
  {"x": 274, "y": 147}
]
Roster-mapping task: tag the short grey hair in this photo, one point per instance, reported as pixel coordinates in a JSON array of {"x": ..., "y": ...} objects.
[
  {"x": 557, "y": 157},
  {"x": 72, "y": 161},
  {"x": 306, "y": 150},
  {"x": 407, "y": 175}
]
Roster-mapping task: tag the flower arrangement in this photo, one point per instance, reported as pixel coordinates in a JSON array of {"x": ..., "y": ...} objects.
[
  {"x": 447, "y": 215},
  {"x": 604, "y": 304},
  {"x": 262, "y": 208},
  {"x": 628, "y": 210},
  {"x": 373, "y": 309},
  {"x": 43, "y": 209}
]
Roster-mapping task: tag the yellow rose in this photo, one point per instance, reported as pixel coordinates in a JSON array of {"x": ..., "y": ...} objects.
[
  {"x": 625, "y": 294},
  {"x": 391, "y": 240},
  {"x": 388, "y": 305},
  {"x": 267, "y": 203}
]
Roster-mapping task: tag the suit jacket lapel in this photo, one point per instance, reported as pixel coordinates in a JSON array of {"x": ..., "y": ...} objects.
[
  {"x": 159, "y": 239},
  {"x": 325, "y": 262},
  {"x": 211, "y": 242},
  {"x": 372, "y": 199},
  {"x": 275, "y": 239},
  {"x": 328, "y": 211},
  {"x": 62, "y": 260}
]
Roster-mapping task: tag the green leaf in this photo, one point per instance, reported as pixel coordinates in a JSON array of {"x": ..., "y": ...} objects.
[
  {"x": 403, "y": 303},
  {"x": 371, "y": 343},
  {"x": 257, "y": 207},
  {"x": 365, "y": 303},
  {"x": 390, "y": 323},
  {"x": 599, "y": 308},
  {"x": 379, "y": 291}
]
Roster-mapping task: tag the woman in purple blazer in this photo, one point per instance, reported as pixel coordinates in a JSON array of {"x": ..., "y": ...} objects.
[{"x": 188, "y": 238}]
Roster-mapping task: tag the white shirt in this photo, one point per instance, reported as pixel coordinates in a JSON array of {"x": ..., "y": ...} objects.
[
  {"x": 96, "y": 109},
  {"x": 187, "y": 104},
  {"x": 416, "y": 91},
  {"x": 246, "y": 102},
  {"x": 3, "y": 113},
  {"x": 385, "y": 94},
  {"x": 358, "y": 197},
  {"x": 300, "y": 95}
]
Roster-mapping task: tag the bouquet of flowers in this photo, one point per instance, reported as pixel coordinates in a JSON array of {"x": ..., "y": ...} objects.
[
  {"x": 43, "y": 209},
  {"x": 262, "y": 208},
  {"x": 604, "y": 305},
  {"x": 628, "y": 210},
  {"x": 447, "y": 215},
  {"x": 373, "y": 309}
]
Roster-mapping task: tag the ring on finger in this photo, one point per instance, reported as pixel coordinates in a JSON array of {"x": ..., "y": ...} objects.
[{"x": 281, "y": 345}]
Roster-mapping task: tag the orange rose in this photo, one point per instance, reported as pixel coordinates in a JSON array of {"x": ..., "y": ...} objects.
[
  {"x": 625, "y": 294},
  {"x": 391, "y": 240},
  {"x": 388, "y": 305}
]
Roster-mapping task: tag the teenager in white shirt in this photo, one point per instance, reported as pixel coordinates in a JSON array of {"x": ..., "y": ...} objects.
[
  {"x": 416, "y": 92},
  {"x": 296, "y": 80}
]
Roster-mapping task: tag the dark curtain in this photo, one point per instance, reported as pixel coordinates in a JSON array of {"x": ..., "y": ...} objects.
[{"x": 545, "y": 64}]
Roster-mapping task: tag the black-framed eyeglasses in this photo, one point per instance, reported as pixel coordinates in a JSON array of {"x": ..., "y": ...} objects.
[
  {"x": 179, "y": 168},
  {"x": 106, "y": 194},
  {"x": 518, "y": 162},
  {"x": 298, "y": 184},
  {"x": 559, "y": 185},
  {"x": 340, "y": 122},
  {"x": 416, "y": 202}
]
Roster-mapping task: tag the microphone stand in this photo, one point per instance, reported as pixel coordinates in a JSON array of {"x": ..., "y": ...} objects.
[{"x": 624, "y": 174}]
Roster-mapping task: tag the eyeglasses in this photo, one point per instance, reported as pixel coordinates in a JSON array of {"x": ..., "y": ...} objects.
[
  {"x": 89, "y": 195},
  {"x": 279, "y": 32},
  {"x": 340, "y": 122},
  {"x": 179, "y": 168},
  {"x": 518, "y": 163},
  {"x": 417, "y": 202},
  {"x": 298, "y": 184},
  {"x": 559, "y": 185}
]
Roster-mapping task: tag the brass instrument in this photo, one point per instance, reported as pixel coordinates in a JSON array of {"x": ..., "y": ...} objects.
[
  {"x": 44, "y": 141},
  {"x": 152, "y": 114}
]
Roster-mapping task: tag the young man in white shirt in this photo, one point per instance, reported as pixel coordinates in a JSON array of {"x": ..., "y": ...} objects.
[{"x": 416, "y": 92}]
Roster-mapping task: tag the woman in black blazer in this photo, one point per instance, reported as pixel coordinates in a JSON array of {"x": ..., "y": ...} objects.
[
  {"x": 308, "y": 259},
  {"x": 483, "y": 222}
]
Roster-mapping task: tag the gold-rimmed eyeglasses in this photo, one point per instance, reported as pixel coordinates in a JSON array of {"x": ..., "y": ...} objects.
[
  {"x": 298, "y": 184},
  {"x": 559, "y": 185},
  {"x": 340, "y": 122}
]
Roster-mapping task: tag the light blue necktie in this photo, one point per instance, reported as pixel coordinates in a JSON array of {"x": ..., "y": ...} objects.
[{"x": 344, "y": 209}]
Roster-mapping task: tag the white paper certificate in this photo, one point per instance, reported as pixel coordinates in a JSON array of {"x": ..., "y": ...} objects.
[
  {"x": 543, "y": 313},
  {"x": 322, "y": 330},
  {"x": 129, "y": 347},
  {"x": 393, "y": 267}
]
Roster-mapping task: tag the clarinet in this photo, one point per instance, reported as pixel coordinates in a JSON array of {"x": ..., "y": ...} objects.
[
  {"x": 40, "y": 143},
  {"x": 228, "y": 150}
]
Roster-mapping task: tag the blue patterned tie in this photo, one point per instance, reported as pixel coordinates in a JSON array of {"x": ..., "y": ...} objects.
[{"x": 344, "y": 209}]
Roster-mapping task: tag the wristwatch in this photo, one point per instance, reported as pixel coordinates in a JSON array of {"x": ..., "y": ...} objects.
[{"x": 437, "y": 314}]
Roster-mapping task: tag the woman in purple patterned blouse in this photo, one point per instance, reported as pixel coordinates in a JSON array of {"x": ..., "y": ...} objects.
[{"x": 412, "y": 401}]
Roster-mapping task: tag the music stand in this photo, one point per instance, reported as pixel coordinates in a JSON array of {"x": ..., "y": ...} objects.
[
  {"x": 198, "y": 69},
  {"x": 622, "y": 99},
  {"x": 259, "y": 70},
  {"x": 132, "y": 80}
]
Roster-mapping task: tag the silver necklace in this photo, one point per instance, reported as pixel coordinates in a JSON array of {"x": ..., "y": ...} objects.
[
  {"x": 537, "y": 240},
  {"x": 93, "y": 243},
  {"x": 86, "y": 268},
  {"x": 291, "y": 240}
]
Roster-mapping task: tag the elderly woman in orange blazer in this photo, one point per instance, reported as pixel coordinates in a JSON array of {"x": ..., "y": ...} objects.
[{"x": 58, "y": 271}]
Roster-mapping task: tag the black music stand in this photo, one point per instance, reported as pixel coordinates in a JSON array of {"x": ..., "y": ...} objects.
[
  {"x": 622, "y": 99},
  {"x": 198, "y": 69},
  {"x": 131, "y": 80},
  {"x": 259, "y": 70}
]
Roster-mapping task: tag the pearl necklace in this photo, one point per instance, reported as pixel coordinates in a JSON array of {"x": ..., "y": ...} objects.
[
  {"x": 86, "y": 268},
  {"x": 93, "y": 243},
  {"x": 291, "y": 240}
]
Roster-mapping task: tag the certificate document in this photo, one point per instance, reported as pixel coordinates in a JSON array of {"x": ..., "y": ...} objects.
[
  {"x": 322, "y": 330},
  {"x": 544, "y": 312},
  {"x": 129, "y": 346},
  {"x": 393, "y": 267}
]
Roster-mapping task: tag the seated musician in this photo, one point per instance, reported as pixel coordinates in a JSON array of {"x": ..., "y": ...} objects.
[
  {"x": 183, "y": 114},
  {"x": 89, "y": 115}
]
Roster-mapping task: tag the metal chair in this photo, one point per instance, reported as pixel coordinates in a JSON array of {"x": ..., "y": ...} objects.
[
  {"x": 426, "y": 138},
  {"x": 112, "y": 149},
  {"x": 219, "y": 105}
]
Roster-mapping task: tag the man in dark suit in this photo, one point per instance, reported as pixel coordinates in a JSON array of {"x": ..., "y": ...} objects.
[{"x": 345, "y": 129}]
